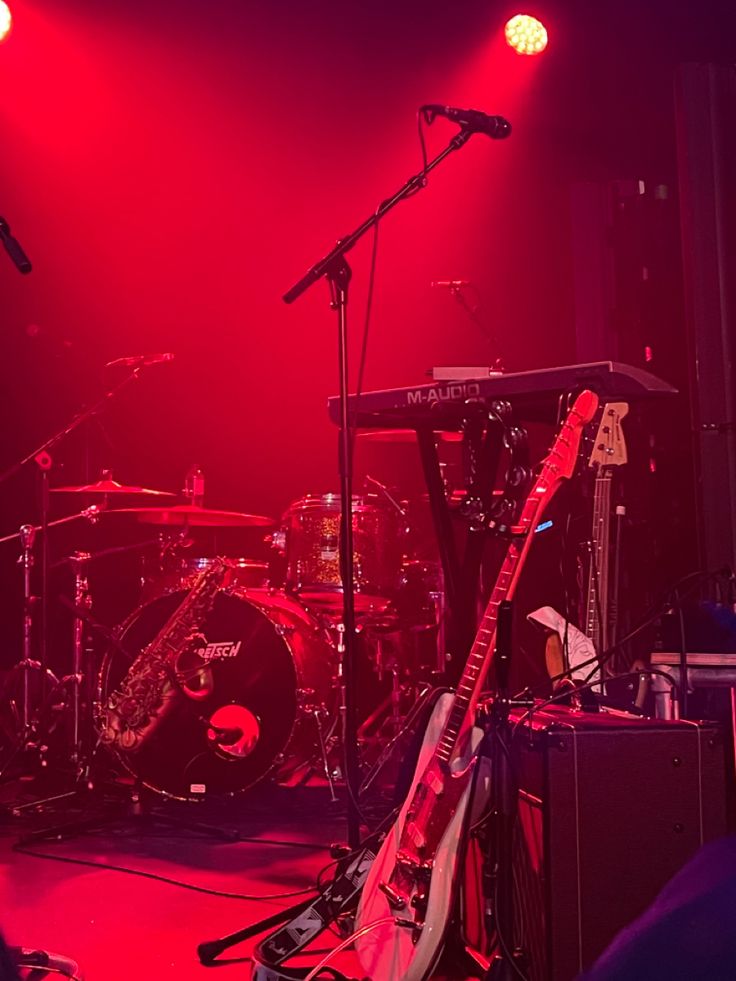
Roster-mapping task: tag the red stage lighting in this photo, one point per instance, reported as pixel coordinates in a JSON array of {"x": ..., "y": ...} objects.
[
  {"x": 5, "y": 20},
  {"x": 526, "y": 35}
]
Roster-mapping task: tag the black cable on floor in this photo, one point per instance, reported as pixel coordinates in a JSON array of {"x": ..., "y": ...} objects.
[{"x": 22, "y": 850}]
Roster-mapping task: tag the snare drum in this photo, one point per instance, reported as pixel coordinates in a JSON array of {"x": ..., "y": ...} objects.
[{"x": 312, "y": 531}]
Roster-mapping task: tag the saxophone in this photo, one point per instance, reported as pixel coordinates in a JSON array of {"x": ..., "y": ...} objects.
[{"x": 170, "y": 665}]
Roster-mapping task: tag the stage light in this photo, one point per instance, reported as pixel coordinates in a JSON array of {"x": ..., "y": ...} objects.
[
  {"x": 5, "y": 20},
  {"x": 526, "y": 35}
]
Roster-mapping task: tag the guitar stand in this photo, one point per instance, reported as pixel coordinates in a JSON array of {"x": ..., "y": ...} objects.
[{"x": 497, "y": 872}]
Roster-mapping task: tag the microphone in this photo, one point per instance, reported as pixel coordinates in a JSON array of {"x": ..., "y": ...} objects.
[
  {"x": 474, "y": 120},
  {"x": 140, "y": 360},
  {"x": 12, "y": 247},
  {"x": 223, "y": 735},
  {"x": 450, "y": 284}
]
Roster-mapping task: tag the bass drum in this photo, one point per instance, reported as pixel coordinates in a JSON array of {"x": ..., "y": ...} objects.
[{"x": 269, "y": 695}]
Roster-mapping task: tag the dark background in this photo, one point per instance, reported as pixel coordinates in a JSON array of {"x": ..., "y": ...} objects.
[{"x": 173, "y": 167}]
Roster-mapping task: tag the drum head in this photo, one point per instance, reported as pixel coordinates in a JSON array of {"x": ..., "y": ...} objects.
[{"x": 229, "y": 732}]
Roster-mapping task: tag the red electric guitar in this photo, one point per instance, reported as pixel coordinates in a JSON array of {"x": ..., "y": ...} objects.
[{"x": 408, "y": 897}]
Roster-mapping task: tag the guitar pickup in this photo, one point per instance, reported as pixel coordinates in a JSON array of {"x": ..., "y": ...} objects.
[{"x": 395, "y": 899}]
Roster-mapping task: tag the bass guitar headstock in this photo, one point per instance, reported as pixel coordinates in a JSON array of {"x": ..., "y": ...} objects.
[{"x": 609, "y": 446}]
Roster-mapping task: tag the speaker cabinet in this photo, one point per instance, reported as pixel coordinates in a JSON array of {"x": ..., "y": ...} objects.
[{"x": 610, "y": 808}]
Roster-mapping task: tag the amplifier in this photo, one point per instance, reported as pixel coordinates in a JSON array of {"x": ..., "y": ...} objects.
[{"x": 610, "y": 808}]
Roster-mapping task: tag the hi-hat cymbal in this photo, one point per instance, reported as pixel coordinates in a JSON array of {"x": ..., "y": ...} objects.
[
  {"x": 109, "y": 486},
  {"x": 404, "y": 436},
  {"x": 195, "y": 517}
]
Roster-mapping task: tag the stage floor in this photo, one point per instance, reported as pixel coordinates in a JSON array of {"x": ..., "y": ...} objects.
[{"x": 121, "y": 926}]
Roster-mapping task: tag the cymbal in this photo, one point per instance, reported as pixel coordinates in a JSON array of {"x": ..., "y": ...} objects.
[
  {"x": 187, "y": 514},
  {"x": 404, "y": 436},
  {"x": 109, "y": 486}
]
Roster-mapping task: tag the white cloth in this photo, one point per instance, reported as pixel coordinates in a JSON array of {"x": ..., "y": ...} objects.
[{"x": 580, "y": 649}]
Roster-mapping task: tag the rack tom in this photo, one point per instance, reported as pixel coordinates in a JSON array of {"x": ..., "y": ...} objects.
[{"x": 312, "y": 542}]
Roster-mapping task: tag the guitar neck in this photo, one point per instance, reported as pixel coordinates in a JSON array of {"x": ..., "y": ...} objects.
[
  {"x": 558, "y": 466},
  {"x": 478, "y": 663},
  {"x": 596, "y": 601}
]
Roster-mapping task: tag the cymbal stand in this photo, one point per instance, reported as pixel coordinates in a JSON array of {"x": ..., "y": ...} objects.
[
  {"x": 43, "y": 459},
  {"x": 27, "y": 665},
  {"x": 25, "y": 719},
  {"x": 76, "y": 680},
  {"x": 34, "y": 699}
]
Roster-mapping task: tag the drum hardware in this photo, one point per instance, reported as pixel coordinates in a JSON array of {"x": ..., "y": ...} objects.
[
  {"x": 43, "y": 460},
  {"x": 27, "y": 722},
  {"x": 135, "y": 809},
  {"x": 324, "y": 726},
  {"x": 82, "y": 600},
  {"x": 383, "y": 489},
  {"x": 71, "y": 693},
  {"x": 27, "y": 537},
  {"x": 400, "y": 743}
]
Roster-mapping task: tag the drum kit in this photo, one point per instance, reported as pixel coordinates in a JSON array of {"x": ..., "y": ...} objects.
[{"x": 268, "y": 644}]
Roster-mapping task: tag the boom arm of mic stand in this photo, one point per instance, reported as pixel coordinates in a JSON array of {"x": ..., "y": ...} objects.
[
  {"x": 79, "y": 418},
  {"x": 414, "y": 184}
]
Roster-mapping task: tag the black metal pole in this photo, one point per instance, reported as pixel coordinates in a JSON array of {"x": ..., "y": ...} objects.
[
  {"x": 339, "y": 279},
  {"x": 336, "y": 270},
  {"x": 503, "y": 808}
]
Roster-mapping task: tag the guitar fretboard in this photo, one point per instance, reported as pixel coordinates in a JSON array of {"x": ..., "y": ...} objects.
[{"x": 478, "y": 660}]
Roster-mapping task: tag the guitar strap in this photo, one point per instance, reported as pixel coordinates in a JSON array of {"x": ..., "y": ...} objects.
[{"x": 339, "y": 897}]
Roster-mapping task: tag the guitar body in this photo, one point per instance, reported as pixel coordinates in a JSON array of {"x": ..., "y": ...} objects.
[{"x": 390, "y": 951}]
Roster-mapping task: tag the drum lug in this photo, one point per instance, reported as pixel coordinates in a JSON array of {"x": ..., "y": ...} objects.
[{"x": 304, "y": 699}]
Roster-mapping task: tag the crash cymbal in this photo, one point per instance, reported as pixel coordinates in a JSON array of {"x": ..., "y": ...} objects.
[
  {"x": 109, "y": 486},
  {"x": 404, "y": 436},
  {"x": 186, "y": 514}
]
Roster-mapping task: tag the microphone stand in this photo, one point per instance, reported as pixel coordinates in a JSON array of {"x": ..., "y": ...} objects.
[{"x": 334, "y": 267}]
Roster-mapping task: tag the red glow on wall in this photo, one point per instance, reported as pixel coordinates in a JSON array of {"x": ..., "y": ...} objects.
[{"x": 6, "y": 20}]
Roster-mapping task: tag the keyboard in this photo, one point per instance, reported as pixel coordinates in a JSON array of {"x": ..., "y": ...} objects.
[{"x": 442, "y": 405}]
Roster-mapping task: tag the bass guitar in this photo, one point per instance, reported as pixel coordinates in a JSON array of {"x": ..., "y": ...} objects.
[{"x": 408, "y": 898}]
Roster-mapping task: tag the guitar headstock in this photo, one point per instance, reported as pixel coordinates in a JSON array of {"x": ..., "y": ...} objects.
[
  {"x": 562, "y": 459},
  {"x": 609, "y": 447}
]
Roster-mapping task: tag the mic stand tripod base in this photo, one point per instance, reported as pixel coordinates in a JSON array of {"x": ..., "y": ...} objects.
[{"x": 135, "y": 811}]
